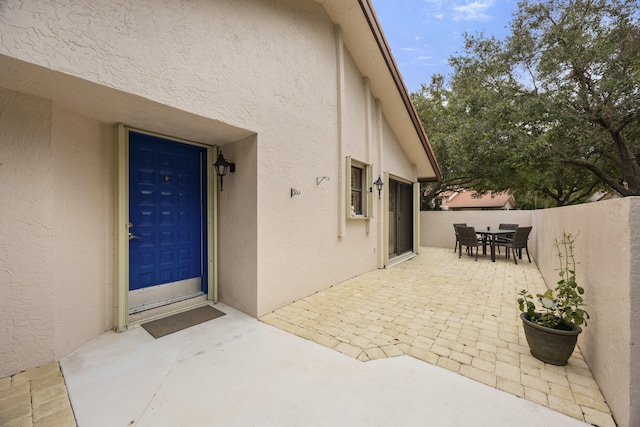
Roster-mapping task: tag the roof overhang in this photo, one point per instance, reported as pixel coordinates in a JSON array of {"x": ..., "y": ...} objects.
[{"x": 365, "y": 40}]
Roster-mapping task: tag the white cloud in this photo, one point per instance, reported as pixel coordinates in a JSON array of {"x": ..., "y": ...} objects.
[
  {"x": 474, "y": 11},
  {"x": 420, "y": 60},
  {"x": 434, "y": 9}
]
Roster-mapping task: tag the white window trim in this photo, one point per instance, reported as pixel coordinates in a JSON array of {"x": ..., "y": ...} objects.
[{"x": 367, "y": 184}]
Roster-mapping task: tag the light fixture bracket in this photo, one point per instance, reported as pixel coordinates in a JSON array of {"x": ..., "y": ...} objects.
[{"x": 222, "y": 166}]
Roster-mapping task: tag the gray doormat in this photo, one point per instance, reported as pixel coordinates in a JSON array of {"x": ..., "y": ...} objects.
[{"x": 177, "y": 322}]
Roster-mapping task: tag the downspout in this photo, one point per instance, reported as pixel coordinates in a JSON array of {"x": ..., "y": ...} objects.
[{"x": 340, "y": 102}]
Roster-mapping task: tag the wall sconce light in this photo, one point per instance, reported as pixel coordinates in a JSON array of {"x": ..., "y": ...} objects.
[
  {"x": 222, "y": 167},
  {"x": 379, "y": 184}
]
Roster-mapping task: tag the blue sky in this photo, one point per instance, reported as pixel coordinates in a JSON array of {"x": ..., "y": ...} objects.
[{"x": 423, "y": 34}]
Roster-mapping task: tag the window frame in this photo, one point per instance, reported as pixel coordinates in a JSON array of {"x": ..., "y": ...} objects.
[{"x": 365, "y": 189}]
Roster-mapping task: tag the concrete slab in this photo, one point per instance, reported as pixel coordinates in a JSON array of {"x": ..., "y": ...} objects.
[{"x": 238, "y": 371}]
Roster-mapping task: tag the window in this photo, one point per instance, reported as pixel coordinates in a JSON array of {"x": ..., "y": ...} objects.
[
  {"x": 359, "y": 189},
  {"x": 357, "y": 202}
]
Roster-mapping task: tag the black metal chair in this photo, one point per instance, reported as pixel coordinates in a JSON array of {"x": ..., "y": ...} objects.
[
  {"x": 455, "y": 230},
  {"x": 519, "y": 242},
  {"x": 507, "y": 238},
  {"x": 467, "y": 237}
]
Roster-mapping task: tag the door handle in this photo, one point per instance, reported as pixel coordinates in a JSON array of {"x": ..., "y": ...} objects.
[{"x": 131, "y": 235}]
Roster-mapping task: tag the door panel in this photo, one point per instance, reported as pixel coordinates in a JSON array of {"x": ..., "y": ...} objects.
[
  {"x": 166, "y": 216},
  {"x": 393, "y": 218},
  {"x": 405, "y": 218},
  {"x": 400, "y": 218}
]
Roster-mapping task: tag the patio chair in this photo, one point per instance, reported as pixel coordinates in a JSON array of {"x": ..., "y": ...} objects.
[
  {"x": 455, "y": 230},
  {"x": 468, "y": 237},
  {"x": 519, "y": 242},
  {"x": 507, "y": 238}
]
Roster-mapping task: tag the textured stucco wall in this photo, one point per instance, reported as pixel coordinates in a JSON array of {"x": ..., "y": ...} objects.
[
  {"x": 301, "y": 246},
  {"x": 297, "y": 236},
  {"x": 634, "y": 302},
  {"x": 56, "y": 228},
  {"x": 395, "y": 160},
  {"x": 237, "y": 228},
  {"x": 603, "y": 251},
  {"x": 27, "y": 287},
  {"x": 83, "y": 229}
]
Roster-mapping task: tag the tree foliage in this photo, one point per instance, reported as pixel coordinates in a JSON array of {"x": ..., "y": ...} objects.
[{"x": 552, "y": 110}]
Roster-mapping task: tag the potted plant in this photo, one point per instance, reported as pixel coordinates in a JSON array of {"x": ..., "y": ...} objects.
[{"x": 553, "y": 331}]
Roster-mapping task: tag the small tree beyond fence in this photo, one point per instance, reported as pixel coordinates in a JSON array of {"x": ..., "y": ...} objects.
[{"x": 608, "y": 252}]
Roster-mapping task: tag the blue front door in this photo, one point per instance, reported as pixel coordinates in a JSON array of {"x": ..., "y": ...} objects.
[{"x": 167, "y": 213}]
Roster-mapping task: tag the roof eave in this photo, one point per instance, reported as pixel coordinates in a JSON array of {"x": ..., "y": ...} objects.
[
  {"x": 371, "y": 53},
  {"x": 381, "y": 40}
]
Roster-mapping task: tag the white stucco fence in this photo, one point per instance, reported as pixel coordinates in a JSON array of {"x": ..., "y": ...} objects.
[
  {"x": 608, "y": 252},
  {"x": 436, "y": 227}
]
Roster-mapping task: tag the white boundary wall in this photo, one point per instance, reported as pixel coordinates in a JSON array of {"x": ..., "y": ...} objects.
[
  {"x": 436, "y": 227},
  {"x": 608, "y": 250}
]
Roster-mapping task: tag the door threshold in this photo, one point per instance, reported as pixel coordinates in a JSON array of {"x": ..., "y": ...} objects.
[
  {"x": 163, "y": 302},
  {"x": 400, "y": 259},
  {"x": 165, "y": 310}
]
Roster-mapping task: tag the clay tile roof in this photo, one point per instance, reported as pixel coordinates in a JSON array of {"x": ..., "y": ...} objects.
[{"x": 470, "y": 199}]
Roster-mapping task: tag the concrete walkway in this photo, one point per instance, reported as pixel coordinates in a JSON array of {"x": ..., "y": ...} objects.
[{"x": 455, "y": 313}]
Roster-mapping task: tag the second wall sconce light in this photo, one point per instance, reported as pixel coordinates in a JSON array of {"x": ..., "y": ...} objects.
[
  {"x": 222, "y": 167},
  {"x": 379, "y": 184}
]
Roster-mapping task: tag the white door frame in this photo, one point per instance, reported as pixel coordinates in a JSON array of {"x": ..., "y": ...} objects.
[
  {"x": 416, "y": 220},
  {"x": 121, "y": 220}
]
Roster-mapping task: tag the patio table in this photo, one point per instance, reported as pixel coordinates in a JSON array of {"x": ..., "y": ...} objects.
[{"x": 491, "y": 236}]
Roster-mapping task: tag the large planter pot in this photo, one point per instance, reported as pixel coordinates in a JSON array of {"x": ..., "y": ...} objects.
[{"x": 550, "y": 345}]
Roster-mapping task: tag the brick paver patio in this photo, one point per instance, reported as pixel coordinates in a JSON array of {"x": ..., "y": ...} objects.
[
  {"x": 458, "y": 314},
  {"x": 37, "y": 397}
]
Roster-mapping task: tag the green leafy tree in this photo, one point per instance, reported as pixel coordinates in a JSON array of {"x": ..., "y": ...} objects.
[
  {"x": 432, "y": 106},
  {"x": 553, "y": 110},
  {"x": 582, "y": 59}
]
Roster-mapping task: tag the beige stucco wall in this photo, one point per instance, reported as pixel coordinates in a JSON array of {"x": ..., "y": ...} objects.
[
  {"x": 82, "y": 211},
  {"x": 608, "y": 252},
  {"x": 395, "y": 160},
  {"x": 271, "y": 83},
  {"x": 634, "y": 321},
  {"x": 56, "y": 231},
  {"x": 237, "y": 229},
  {"x": 26, "y": 232}
]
